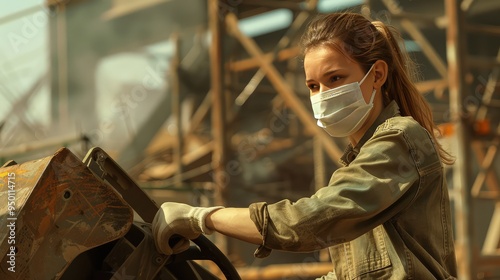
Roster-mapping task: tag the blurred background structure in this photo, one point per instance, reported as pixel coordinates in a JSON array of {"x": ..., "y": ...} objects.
[{"x": 204, "y": 102}]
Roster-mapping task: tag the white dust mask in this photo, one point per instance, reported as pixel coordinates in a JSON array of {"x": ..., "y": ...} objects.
[{"x": 341, "y": 111}]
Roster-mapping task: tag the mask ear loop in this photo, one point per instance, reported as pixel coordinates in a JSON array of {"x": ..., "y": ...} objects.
[
  {"x": 366, "y": 75},
  {"x": 373, "y": 96},
  {"x": 374, "y": 90}
]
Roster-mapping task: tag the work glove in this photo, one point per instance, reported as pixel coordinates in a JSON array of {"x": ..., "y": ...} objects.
[{"x": 176, "y": 223}]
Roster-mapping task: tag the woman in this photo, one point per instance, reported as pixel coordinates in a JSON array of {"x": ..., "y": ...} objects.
[{"x": 385, "y": 214}]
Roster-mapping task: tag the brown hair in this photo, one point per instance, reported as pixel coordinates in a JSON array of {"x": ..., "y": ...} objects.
[{"x": 366, "y": 42}]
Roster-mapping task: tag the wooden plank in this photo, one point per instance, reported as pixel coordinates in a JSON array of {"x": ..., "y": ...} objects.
[
  {"x": 201, "y": 112},
  {"x": 251, "y": 63},
  {"x": 304, "y": 270},
  {"x": 176, "y": 109},
  {"x": 218, "y": 112},
  {"x": 485, "y": 175},
  {"x": 456, "y": 51},
  {"x": 491, "y": 244},
  {"x": 416, "y": 34},
  {"x": 483, "y": 28},
  {"x": 188, "y": 160},
  {"x": 429, "y": 85},
  {"x": 124, "y": 7}
]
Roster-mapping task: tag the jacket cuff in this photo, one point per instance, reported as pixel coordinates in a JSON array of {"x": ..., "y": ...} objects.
[{"x": 260, "y": 217}]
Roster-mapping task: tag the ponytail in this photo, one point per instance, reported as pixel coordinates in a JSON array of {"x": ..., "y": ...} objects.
[{"x": 400, "y": 87}]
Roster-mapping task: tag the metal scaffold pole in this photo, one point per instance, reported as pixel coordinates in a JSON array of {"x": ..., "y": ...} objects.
[
  {"x": 456, "y": 53},
  {"x": 218, "y": 112}
]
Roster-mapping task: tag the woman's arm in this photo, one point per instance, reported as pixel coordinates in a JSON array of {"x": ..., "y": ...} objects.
[{"x": 236, "y": 223}]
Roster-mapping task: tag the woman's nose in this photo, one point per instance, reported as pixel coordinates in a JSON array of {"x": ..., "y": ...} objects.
[{"x": 323, "y": 88}]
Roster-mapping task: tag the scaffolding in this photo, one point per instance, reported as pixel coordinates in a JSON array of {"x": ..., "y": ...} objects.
[
  {"x": 466, "y": 128},
  {"x": 244, "y": 69}
]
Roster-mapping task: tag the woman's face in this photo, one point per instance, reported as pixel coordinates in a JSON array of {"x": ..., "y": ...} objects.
[{"x": 326, "y": 68}]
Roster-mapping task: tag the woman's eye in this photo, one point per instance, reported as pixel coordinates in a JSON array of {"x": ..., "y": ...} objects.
[
  {"x": 312, "y": 86},
  {"x": 335, "y": 78}
]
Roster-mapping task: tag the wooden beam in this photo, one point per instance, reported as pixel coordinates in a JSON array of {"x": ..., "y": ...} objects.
[
  {"x": 489, "y": 91},
  {"x": 218, "y": 120},
  {"x": 121, "y": 8},
  {"x": 486, "y": 161},
  {"x": 304, "y": 270},
  {"x": 284, "y": 42},
  {"x": 218, "y": 112},
  {"x": 251, "y": 63},
  {"x": 201, "y": 112},
  {"x": 187, "y": 160},
  {"x": 416, "y": 34},
  {"x": 20, "y": 14},
  {"x": 429, "y": 85},
  {"x": 456, "y": 52},
  {"x": 50, "y": 143},
  {"x": 421, "y": 19},
  {"x": 482, "y": 62},
  {"x": 176, "y": 109},
  {"x": 491, "y": 244},
  {"x": 273, "y": 4},
  {"x": 482, "y": 28}
]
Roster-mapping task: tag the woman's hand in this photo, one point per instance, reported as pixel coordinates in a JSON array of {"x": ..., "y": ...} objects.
[{"x": 176, "y": 223}]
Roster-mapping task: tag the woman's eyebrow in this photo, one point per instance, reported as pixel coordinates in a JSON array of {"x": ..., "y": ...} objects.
[{"x": 327, "y": 73}]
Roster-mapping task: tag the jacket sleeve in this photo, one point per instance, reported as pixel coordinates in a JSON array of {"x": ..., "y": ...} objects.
[{"x": 369, "y": 191}]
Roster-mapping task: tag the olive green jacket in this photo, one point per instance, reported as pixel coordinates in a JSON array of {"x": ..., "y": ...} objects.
[{"x": 384, "y": 215}]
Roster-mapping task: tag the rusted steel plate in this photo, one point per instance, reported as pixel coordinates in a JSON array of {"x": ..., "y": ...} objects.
[{"x": 61, "y": 210}]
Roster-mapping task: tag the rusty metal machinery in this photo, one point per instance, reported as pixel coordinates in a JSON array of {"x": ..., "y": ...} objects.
[{"x": 67, "y": 219}]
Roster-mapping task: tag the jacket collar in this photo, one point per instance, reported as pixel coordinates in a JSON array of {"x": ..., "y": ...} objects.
[{"x": 350, "y": 153}]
